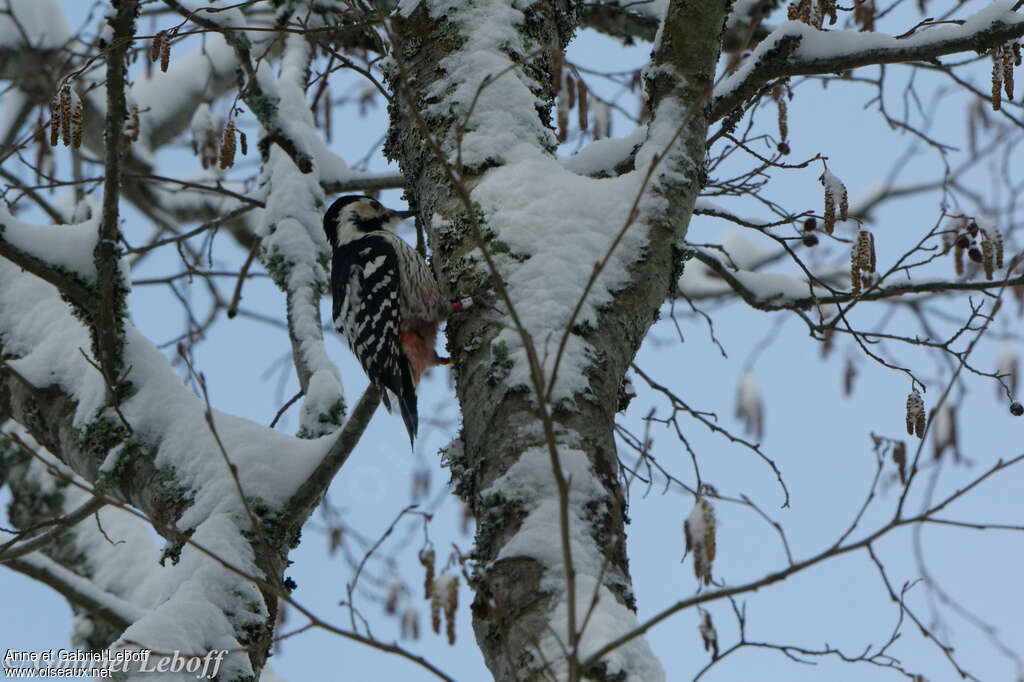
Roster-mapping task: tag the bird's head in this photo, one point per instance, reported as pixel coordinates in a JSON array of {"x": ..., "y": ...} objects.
[{"x": 352, "y": 216}]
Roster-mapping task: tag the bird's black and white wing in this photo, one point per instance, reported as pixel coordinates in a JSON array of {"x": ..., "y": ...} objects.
[{"x": 367, "y": 310}]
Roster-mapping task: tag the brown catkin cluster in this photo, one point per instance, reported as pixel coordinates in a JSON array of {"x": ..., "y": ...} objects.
[
  {"x": 779, "y": 95},
  {"x": 54, "y": 120},
  {"x": 451, "y": 604},
  {"x": 334, "y": 537},
  {"x": 835, "y": 197},
  {"x": 130, "y": 132},
  {"x": 435, "y": 614},
  {"x": 988, "y": 257},
  {"x": 206, "y": 136},
  {"x": 1008, "y": 73},
  {"x": 800, "y": 10},
  {"x": 227, "y": 146},
  {"x": 997, "y": 79},
  {"x": 427, "y": 558},
  {"x": 983, "y": 245},
  {"x": 899, "y": 457},
  {"x": 559, "y": 85},
  {"x": 76, "y": 125},
  {"x": 862, "y": 261},
  {"x": 812, "y": 12},
  {"x": 66, "y": 114},
  {"x": 445, "y": 599},
  {"x": 155, "y": 45},
  {"x": 699, "y": 529},
  {"x": 395, "y": 590},
  {"x": 160, "y": 49},
  {"x": 826, "y": 8},
  {"x": 209, "y": 153},
  {"x": 864, "y": 14},
  {"x": 707, "y": 631},
  {"x": 581, "y": 101},
  {"x": 410, "y": 623},
  {"x": 557, "y": 59},
  {"x": 915, "y": 414},
  {"x": 1004, "y": 58},
  {"x": 572, "y": 94},
  {"x": 602, "y": 123},
  {"x": 563, "y": 112}
]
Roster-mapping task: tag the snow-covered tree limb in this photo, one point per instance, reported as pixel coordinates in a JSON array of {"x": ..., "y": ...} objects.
[
  {"x": 78, "y": 590},
  {"x": 779, "y": 292},
  {"x": 796, "y": 49},
  {"x": 59, "y": 527},
  {"x": 73, "y": 556},
  {"x": 617, "y": 21},
  {"x": 183, "y": 486}
]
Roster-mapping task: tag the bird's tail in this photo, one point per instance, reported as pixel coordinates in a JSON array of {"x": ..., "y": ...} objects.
[
  {"x": 384, "y": 393},
  {"x": 407, "y": 404}
]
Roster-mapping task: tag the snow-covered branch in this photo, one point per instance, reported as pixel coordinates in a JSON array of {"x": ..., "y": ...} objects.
[
  {"x": 796, "y": 49},
  {"x": 79, "y": 591},
  {"x": 773, "y": 291},
  {"x": 617, "y": 21},
  {"x": 16, "y": 240},
  {"x": 167, "y": 442}
]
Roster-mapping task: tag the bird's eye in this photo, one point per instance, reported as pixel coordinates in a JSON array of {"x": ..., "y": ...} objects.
[{"x": 376, "y": 205}]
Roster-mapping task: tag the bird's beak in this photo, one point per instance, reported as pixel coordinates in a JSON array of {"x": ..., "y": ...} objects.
[{"x": 403, "y": 214}]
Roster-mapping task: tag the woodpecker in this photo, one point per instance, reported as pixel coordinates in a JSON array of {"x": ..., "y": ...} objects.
[{"x": 387, "y": 303}]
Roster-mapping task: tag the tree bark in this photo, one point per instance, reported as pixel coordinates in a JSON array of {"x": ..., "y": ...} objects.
[{"x": 521, "y": 596}]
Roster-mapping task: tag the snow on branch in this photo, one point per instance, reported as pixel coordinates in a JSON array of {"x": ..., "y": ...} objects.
[
  {"x": 80, "y": 591},
  {"x": 795, "y": 48},
  {"x": 626, "y": 23},
  {"x": 61, "y": 525},
  {"x": 169, "y": 441},
  {"x": 294, "y": 249},
  {"x": 488, "y": 91},
  {"x": 777, "y": 291},
  {"x": 601, "y": 157},
  {"x": 61, "y": 255},
  {"x": 38, "y": 24},
  {"x": 602, "y": 614},
  {"x": 292, "y": 246},
  {"x": 100, "y": 562}
]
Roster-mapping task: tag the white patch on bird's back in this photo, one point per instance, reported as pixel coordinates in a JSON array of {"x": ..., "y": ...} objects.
[{"x": 374, "y": 265}]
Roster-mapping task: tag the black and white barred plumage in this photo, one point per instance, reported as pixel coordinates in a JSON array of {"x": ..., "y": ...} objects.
[{"x": 386, "y": 300}]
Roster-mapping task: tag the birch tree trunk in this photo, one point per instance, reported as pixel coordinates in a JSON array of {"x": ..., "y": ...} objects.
[{"x": 539, "y": 392}]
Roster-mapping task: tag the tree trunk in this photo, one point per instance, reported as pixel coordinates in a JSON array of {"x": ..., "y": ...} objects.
[{"x": 537, "y": 457}]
